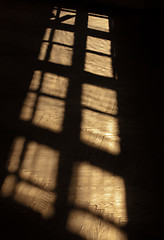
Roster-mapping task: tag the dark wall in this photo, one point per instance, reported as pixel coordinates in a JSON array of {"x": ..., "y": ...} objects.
[
  {"x": 123, "y": 3},
  {"x": 152, "y": 4}
]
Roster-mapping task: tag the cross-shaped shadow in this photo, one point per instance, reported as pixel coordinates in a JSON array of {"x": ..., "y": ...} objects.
[{"x": 73, "y": 159}]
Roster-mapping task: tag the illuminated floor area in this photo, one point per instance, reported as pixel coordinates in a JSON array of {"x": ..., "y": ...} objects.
[{"x": 74, "y": 164}]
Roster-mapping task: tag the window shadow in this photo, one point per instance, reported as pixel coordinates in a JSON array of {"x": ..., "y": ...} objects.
[{"x": 75, "y": 153}]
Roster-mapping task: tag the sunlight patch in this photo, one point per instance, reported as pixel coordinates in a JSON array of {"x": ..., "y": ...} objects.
[
  {"x": 100, "y": 131},
  {"x": 32, "y": 176},
  {"x": 63, "y": 37},
  {"x": 94, "y": 189},
  {"x": 40, "y": 165},
  {"x": 54, "y": 85},
  {"x": 34, "y": 162},
  {"x": 16, "y": 154},
  {"x": 69, "y": 10},
  {"x": 98, "y": 98},
  {"x": 98, "y": 23},
  {"x": 90, "y": 227},
  {"x": 61, "y": 55},
  {"x": 45, "y": 112},
  {"x": 8, "y": 186},
  {"x": 35, "y": 198},
  {"x": 49, "y": 113},
  {"x": 54, "y": 13},
  {"x": 47, "y": 34},
  {"x": 28, "y": 106},
  {"x": 43, "y": 51},
  {"x": 68, "y": 16},
  {"x": 99, "y": 65},
  {"x": 36, "y": 80},
  {"x": 30, "y": 196},
  {"x": 99, "y": 45},
  {"x": 49, "y": 83}
]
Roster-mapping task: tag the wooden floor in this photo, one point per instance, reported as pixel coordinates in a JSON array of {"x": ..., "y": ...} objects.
[{"x": 80, "y": 124}]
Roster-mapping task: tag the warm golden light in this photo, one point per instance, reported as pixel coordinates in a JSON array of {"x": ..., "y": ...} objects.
[
  {"x": 98, "y": 45},
  {"x": 98, "y": 189},
  {"x": 16, "y": 154},
  {"x": 65, "y": 12},
  {"x": 49, "y": 113},
  {"x": 49, "y": 83},
  {"x": 8, "y": 186},
  {"x": 98, "y": 23},
  {"x": 33, "y": 167},
  {"x": 36, "y": 80},
  {"x": 45, "y": 111},
  {"x": 100, "y": 131},
  {"x": 98, "y": 98},
  {"x": 28, "y": 106},
  {"x": 63, "y": 37},
  {"x": 54, "y": 85},
  {"x": 47, "y": 34},
  {"x": 97, "y": 64},
  {"x": 43, "y": 51},
  {"x": 94, "y": 197},
  {"x": 35, "y": 198},
  {"x": 40, "y": 165},
  {"x": 98, "y": 61},
  {"x": 61, "y": 55},
  {"x": 54, "y": 12},
  {"x": 32, "y": 176},
  {"x": 99, "y": 126},
  {"x": 90, "y": 227},
  {"x": 68, "y": 10}
]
